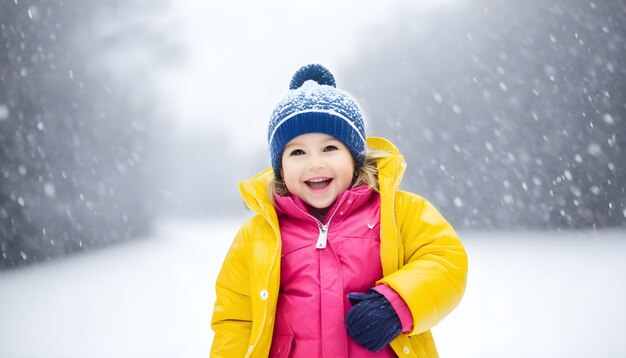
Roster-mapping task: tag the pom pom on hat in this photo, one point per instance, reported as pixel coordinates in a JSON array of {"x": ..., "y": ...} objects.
[
  {"x": 315, "y": 105},
  {"x": 317, "y": 73}
]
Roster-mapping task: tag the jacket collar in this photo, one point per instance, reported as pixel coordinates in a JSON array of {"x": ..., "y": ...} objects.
[
  {"x": 255, "y": 193},
  {"x": 294, "y": 207}
]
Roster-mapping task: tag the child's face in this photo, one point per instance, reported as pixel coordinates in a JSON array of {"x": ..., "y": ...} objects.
[{"x": 317, "y": 168}]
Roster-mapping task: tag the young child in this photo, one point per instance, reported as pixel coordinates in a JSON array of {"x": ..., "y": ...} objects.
[{"x": 338, "y": 262}]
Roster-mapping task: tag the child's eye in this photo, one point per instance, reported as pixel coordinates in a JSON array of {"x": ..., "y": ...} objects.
[
  {"x": 330, "y": 148},
  {"x": 296, "y": 152}
]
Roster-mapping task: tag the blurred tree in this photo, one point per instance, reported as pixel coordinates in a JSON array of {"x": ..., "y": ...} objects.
[
  {"x": 509, "y": 114},
  {"x": 74, "y": 129}
]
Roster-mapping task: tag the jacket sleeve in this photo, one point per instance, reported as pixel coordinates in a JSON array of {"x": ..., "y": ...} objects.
[
  {"x": 232, "y": 314},
  {"x": 433, "y": 277}
]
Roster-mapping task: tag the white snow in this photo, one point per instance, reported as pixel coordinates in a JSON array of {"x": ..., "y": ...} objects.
[
  {"x": 4, "y": 112},
  {"x": 437, "y": 97},
  {"x": 608, "y": 118},
  {"x": 594, "y": 149},
  {"x": 529, "y": 294},
  {"x": 540, "y": 295},
  {"x": 50, "y": 190}
]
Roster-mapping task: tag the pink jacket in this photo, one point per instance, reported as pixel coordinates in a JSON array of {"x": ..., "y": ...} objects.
[{"x": 320, "y": 264}]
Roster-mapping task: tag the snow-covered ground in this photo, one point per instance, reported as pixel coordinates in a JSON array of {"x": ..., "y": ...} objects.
[{"x": 529, "y": 295}]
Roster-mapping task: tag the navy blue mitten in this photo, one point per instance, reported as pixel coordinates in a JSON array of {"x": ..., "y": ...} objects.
[{"x": 372, "y": 322}]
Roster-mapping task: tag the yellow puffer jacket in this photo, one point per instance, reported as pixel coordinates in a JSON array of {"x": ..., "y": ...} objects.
[{"x": 421, "y": 255}]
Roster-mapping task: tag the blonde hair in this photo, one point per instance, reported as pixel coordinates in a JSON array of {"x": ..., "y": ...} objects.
[{"x": 365, "y": 174}]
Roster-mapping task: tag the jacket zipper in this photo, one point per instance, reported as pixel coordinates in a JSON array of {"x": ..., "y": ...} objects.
[
  {"x": 321, "y": 239},
  {"x": 323, "y": 234}
]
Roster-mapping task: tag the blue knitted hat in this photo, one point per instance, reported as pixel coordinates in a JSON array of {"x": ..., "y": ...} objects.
[{"x": 314, "y": 105}]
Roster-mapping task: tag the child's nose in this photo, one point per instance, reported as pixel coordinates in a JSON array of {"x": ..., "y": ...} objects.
[{"x": 316, "y": 162}]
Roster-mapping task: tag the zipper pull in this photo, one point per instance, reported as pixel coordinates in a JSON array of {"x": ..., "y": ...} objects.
[{"x": 321, "y": 240}]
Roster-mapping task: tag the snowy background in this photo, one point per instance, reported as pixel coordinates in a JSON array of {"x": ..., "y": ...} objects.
[
  {"x": 528, "y": 294},
  {"x": 124, "y": 126}
]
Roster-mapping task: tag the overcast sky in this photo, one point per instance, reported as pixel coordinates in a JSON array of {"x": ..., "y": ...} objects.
[{"x": 238, "y": 56}]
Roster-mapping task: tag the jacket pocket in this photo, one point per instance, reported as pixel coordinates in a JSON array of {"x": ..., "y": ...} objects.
[
  {"x": 281, "y": 346},
  {"x": 359, "y": 257},
  {"x": 290, "y": 248}
]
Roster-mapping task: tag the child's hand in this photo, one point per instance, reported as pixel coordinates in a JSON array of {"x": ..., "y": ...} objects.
[{"x": 372, "y": 322}]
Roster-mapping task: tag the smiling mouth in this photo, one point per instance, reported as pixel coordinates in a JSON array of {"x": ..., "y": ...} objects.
[{"x": 319, "y": 183}]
